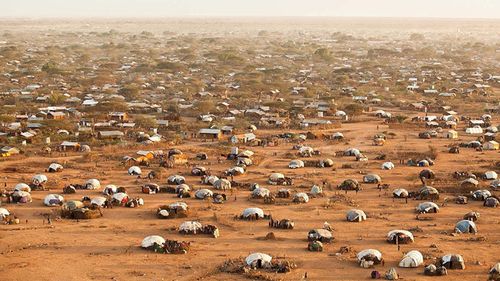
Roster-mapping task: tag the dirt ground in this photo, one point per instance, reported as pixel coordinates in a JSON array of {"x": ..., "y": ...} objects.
[{"x": 108, "y": 248}]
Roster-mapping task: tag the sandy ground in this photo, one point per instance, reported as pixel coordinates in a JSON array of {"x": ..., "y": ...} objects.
[{"x": 108, "y": 248}]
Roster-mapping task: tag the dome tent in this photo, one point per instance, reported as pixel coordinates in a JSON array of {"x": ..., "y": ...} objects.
[
  {"x": 260, "y": 192},
  {"x": 150, "y": 241},
  {"x": 412, "y": 259},
  {"x": 93, "y": 184},
  {"x": 427, "y": 207},
  {"x": 252, "y": 212},
  {"x": 465, "y": 226},
  {"x": 39, "y": 179},
  {"x": 190, "y": 227},
  {"x": 372, "y": 178},
  {"x": 400, "y": 193},
  {"x": 355, "y": 215},
  {"x": 176, "y": 179},
  {"x": 203, "y": 193},
  {"x": 295, "y": 164},
  {"x": 4, "y": 213},
  {"x": 258, "y": 260},
  {"x": 301, "y": 197},
  {"x": 387, "y": 166},
  {"x": 22, "y": 187},
  {"x": 54, "y": 167},
  {"x": 400, "y": 236},
  {"x": 53, "y": 200},
  {"x": 134, "y": 171},
  {"x": 110, "y": 189},
  {"x": 223, "y": 184},
  {"x": 321, "y": 235},
  {"x": 368, "y": 257},
  {"x": 452, "y": 261}
]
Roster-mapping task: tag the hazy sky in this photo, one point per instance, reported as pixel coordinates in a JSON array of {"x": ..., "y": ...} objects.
[{"x": 183, "y": 8}]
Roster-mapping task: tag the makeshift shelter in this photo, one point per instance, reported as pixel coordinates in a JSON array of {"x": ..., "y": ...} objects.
[
  {"x": 491, "y": 175},
  {"x": 469, "y": 183},
  {"x": 300, "y": 197},
  {"x": 150, "y": 241},
  {"x": 400, "y": 193},
  {"x": 110, "y": 189},
  {"x": 4, "y": 213},
  {"x": 203, "y": 193},
  {"x": 481, "y": 194},
  {"x": 19, "y": 196},
  {"x": 326, "y": 163},
  {"x": 53, "y": 200},
  {"x": 190, "y": 227},
  {"x": 252, "y": 213},
  {"x": 258, "y": 260},
  {"x": 174, "y": 210},
  {"x": 427, "y": 207},
  {"x": 428, "y": 193},
  {"x": 387, "y": 166},
  {"x": 222, "y": 184},
  {"x": 400, "y": 237},
  {"x": 465, "y": 226},
  {"x": 349, "y": 184},
  {"x": 451, "y": 134},
  {"x": 491, "y": 202},
  {"x": 260, "y": 192},
  {"x": 120, "y": 198},
  {"x": 38, "y": 180},
  {"x": 54, "y": 167},
  {"x": 199, "y": 171},
  {"x": 356, "y": 215},
  {"x": 306, "y": 151},
  {"x": 452, "y": 261},
  {"x": 494, "y": 273},
  {"x": 316, "y": 190},
  {"x": 176, "y": 179},
  {"x": 495, "y": 184},
  {"x": 491, "y": 145},
  {"x": 99, "y": 201},
  {"x": 22, "y": 187},
  {"x": 372, "y": 178},
  {"x": 412, "y": 259},
  {"x": 369, "y": 257},
  {"x": 274, "y": 178},
  {"x": 295, "y": 164},
  {"x": 352, "y": 152},
  {"x": 92, "y": 184},
  {"x": 321, "y": 235},
  {"x": 134, "y": 171},
  {"x": 471, "y": 216}
]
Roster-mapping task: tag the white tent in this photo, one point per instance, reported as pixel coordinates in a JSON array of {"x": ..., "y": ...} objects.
[
  {"x": 151, "y": 240},
  {"x": 260, "y": 192},
  {"x": 99, "y": 201},
  {"x": 3, "y": 213},
  {"x": 54, "y": 167},
  {"x": 412, "y": 259},
  {"x": 22, "y": 187},
  {"x": 258, "y": 259},
  {"x": 315, "y": 190},
  {"x": 190, "y": 226},
  {"x": 134, "y": 170},
  {"x": 121, "y": 197},
  {"x": 93, "y": 184},
  {"x": 39, "y": 179},
  {"x": 427, "y": 207},
  {"x": 110, "y": 189},
  {"x": 387, "y": 166},
  {"x": 222, "y": 184},
  {"x": 294, "y": 164},
  {"x": 203, "y": 193},
  {"x": 53, "y": 200},
  {"x": 253, "y": 211},
  {"x": 356, "y": 215},
  {"x": 301, "y": 197},
  {"x": 491, "y": 175}
]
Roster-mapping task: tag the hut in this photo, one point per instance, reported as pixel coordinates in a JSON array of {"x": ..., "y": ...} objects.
[
  {"x": 491, "y": 145},
  {"x": 54, "y": 167},
  {"x": 400, "y": 193},
  {"x": 300, "y": 197},
  {"x": 53, "y": 200},
  {"x": 428, "y": 193},
  {"x": 222, "y": 184},
  {"x": 92, "y": 184},
  {"x": 134, "y": 171},
  {"x": 451, "y": 134},
  {"x": 150, "y": 241},
  {"x": 203, "y": 193},
  {"x": 252, "y": 214},
  {"x": 387, "y": 166},
  {"x": 349, "y": 184},
  {"x": 295, "y": 164}
]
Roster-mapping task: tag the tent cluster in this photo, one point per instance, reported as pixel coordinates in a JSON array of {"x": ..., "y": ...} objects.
[{"x": 158, "y": 244}]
